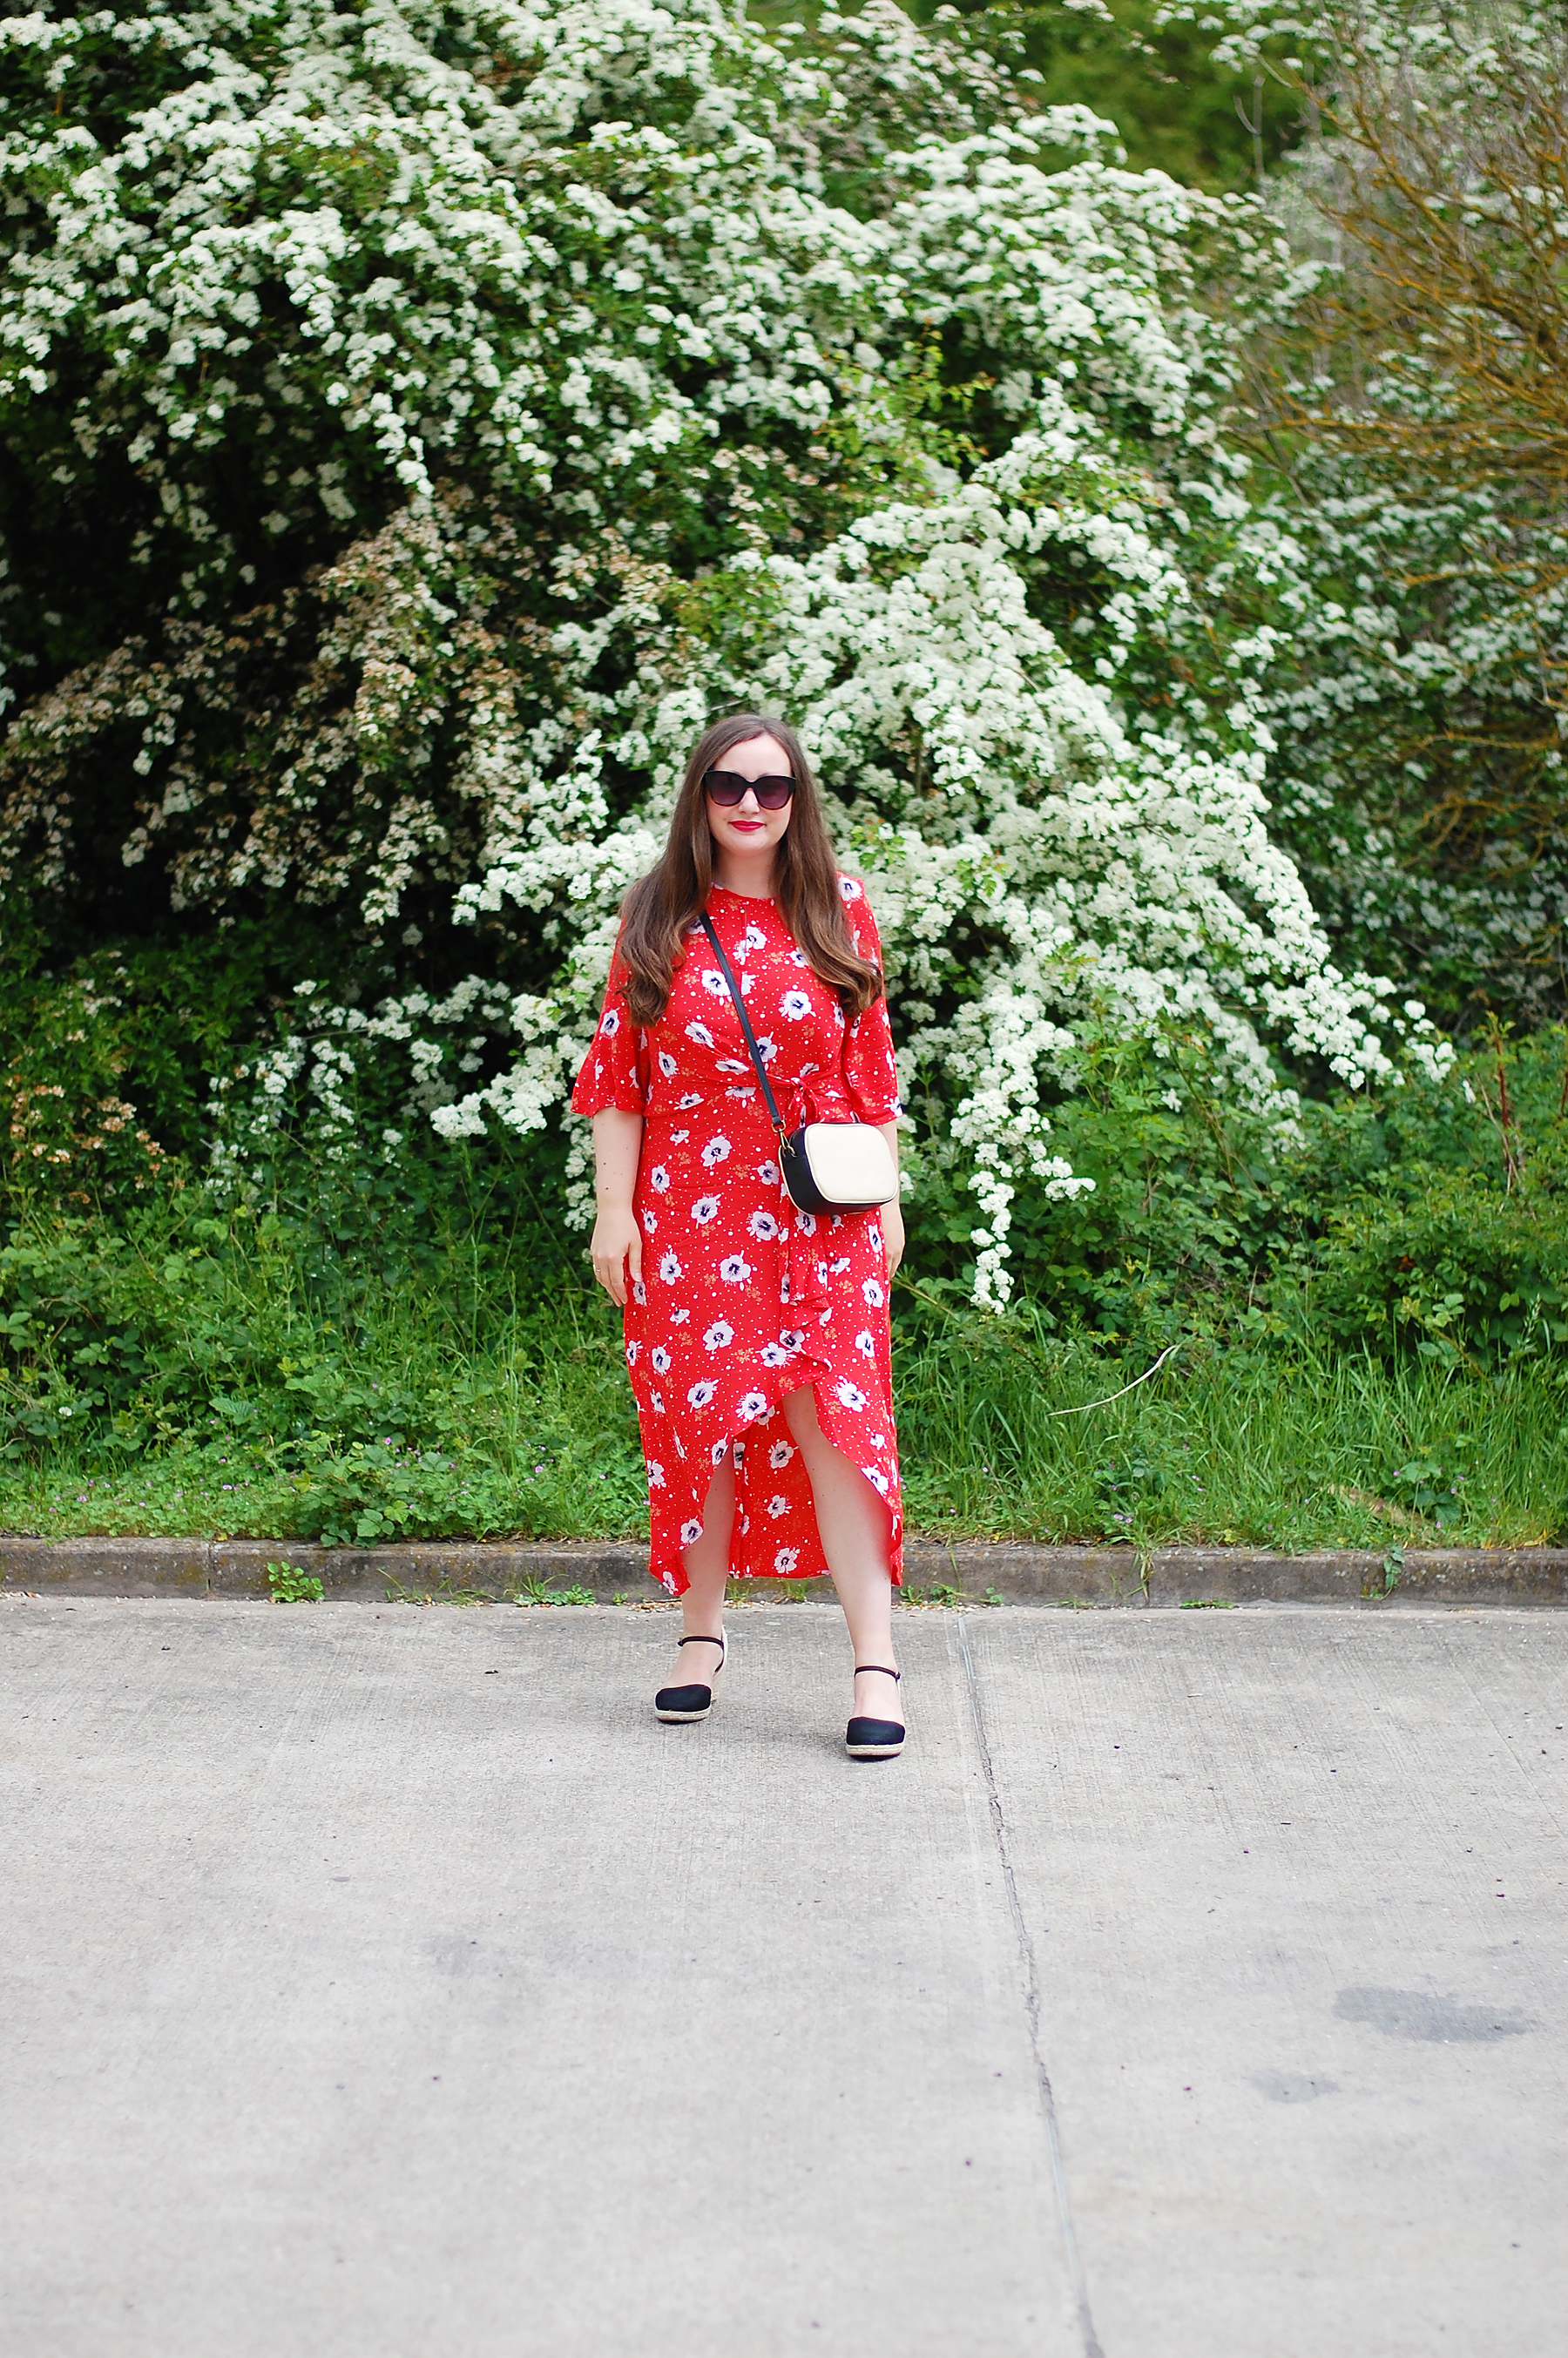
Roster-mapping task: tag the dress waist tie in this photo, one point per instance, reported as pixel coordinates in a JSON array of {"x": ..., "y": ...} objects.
[{"x": 805, "y": 1251}]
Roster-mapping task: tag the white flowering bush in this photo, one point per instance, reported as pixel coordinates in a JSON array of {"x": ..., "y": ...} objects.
[{"x": 438, "y": 412}]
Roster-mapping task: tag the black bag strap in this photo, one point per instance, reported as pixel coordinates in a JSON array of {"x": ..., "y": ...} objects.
[{"x": 736, "y": 994}]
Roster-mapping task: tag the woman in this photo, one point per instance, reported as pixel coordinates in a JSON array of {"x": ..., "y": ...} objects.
[{"x": 757, "y": 1336}]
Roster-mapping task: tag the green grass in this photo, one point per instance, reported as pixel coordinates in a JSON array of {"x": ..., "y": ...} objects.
[
  {"x": 1239, "y": 1447},
  {"x": 422, "y": 1430},
  {"x": 411, "y": 1433}
]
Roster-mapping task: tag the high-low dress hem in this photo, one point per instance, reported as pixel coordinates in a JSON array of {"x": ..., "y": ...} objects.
[{"x": 816, "y": 1376}]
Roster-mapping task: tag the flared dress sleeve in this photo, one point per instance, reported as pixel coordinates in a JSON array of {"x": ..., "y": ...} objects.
[
  {"x": 871, "y": 1075},
  {"x": 614, "y": 1076}
]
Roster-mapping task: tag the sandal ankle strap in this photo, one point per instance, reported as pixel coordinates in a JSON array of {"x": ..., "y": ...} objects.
[
  {"x": 717, "y": 1641},
  {"x": 877, "y": 1666}
]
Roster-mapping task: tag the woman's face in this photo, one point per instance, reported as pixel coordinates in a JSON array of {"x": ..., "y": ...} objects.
[{"x": 742, "y": 827}]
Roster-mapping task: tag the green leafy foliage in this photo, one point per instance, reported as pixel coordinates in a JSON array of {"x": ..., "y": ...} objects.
[
  {"x": 289, "y": 1584},
  {"x": 1430, "y": 1218},
  {"x": 303, "y": 632},
  {"x": 1177, "y": 109}
]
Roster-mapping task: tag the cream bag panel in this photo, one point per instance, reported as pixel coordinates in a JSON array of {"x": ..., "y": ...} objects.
[{"x": 850, "y": 1164}]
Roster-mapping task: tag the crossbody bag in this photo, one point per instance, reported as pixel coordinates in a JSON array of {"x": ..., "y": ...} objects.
[{"x": 828, "y": 1166}]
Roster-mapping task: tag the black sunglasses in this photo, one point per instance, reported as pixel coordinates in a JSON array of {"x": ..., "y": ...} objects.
[{"x": 727, "y": 788}]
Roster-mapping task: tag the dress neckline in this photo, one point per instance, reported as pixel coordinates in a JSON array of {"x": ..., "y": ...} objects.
[{"x": 763, "y": 900}]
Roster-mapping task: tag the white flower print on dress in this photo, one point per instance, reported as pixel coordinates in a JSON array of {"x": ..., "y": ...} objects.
[
  {"x": 871, "y": 1293},
  {"x": 763, "y": 1226},
  {"x": 735, "y": 1270},
  {"x": 774, "y": 1354},
  {"x": 610, "y": 1023},
  {"x": 706, "y": 1208},
  {"x": 702, "y": 1037},
  {"x": 655, "y": 1475},
  {"x": 719, "y": 1335},
  {"x": 690, "y": 1532},
  {"x": 798, "y": 958},
  {"x": 670, "y": 1268},
  {"x": 780, "y": 1454},
  {"x": 633, "y": 1352},
  {"x": 877, "y": 1478},
  {"x": 713, "y": 982},
  {"x": 716, "y": 1152},
  {"x": 793, "y": 1339},
  {"x": 650, "y": 1224},
  {"x": 659, "y": 1179},
  {"x": 778, "y": 1505},
  {"x": 866, "y": 1344},
  {"x": 701, "y": 1393},
  {"x": 658, "y": 1400},
  {"x": 850, "y": 1394},
  {"x": 659, "y": 1359},
  {"x": 768, "y": 1173},
  {"x": 667, "y": 1064},
  {"x": 679, "y": 1315},
  {"x": 720, "y": 1452},
  {"x": 638, "y": 1291},
  {"x": 685, "y": 1105},
  {"x": 786, "y": 1560},
  {"x": 752, "y": 1405},
  {"x": 806, "y": 1223},
  {"x": 795, "y": 1006}
]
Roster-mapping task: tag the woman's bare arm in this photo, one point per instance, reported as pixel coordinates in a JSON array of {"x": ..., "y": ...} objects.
[
  {"x": 893, "y": 1213},
  {"x": 617, "y": 1239}
]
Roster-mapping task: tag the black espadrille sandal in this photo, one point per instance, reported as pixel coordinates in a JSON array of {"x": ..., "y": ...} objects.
[
  {"x": 680, "y": 1705},
  {"x": 874, "y": 1739}
]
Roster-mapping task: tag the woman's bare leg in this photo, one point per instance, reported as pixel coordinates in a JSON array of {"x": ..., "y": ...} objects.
[
  {"x": 708, "y": 1568},
  {"x": 854, "y": 1524}
]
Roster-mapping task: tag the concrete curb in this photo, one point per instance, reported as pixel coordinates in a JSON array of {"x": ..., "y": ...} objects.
[{"x": 475, "y": 1571}]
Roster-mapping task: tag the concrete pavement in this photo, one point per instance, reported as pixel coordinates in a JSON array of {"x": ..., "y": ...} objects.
[{"x": 383, "y": 1983}]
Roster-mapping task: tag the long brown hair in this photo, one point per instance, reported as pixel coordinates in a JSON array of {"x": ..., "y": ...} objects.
[{"x": 661, "y": 907}]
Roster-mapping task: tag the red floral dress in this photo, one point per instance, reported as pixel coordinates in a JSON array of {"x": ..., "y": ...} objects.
[{"x": 743, "y": 1299}]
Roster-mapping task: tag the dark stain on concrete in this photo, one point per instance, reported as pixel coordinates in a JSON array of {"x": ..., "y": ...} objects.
[
  {"x": 1291, "y": 2087},
  {"x": 1419, "y": 2014}
]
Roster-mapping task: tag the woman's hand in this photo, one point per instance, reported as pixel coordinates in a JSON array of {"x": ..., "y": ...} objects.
[{"x": 617, "y": 1241}]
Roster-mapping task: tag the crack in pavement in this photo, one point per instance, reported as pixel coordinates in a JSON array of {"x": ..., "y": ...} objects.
[{"x": 1090, "y": 2340}]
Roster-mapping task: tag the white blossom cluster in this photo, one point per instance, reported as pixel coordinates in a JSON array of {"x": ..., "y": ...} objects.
[{"x": 622, "y": 307}]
